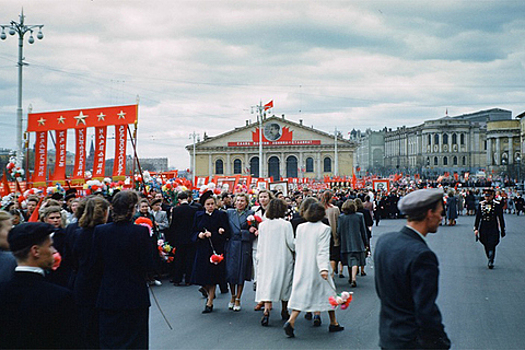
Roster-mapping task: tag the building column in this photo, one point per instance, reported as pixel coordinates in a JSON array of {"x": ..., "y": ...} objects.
[
  {"x": 498, "y": 152},
  {"x": 282, "y": 168},
  {"x": 318, "y": 161},
  {"x": 489, "y": 152},
  {"x": 511, "y": 151},
  {"x": 210, "y": 167},
  {"x": 246, "y": 168},
  {"x": 228, "y": 165},
  {"x": 300, "y": 165}
]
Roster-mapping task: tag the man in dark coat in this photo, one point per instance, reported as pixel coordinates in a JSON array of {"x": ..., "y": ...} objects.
[
  {"x": 406, "y": 278},
  {"x": 179, "y": 235},
  {"x": 34, "y": 313},
  {"x": 489, "y": 225},
  {"x": 519, "y": 204}
]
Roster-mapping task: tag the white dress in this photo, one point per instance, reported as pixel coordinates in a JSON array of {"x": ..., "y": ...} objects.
[
  {"x": 275, "y": 261},
  {"x": 310, "y": 292}
]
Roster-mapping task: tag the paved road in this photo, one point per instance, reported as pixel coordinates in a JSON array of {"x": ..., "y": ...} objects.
[{"x": 482, "y": 309}]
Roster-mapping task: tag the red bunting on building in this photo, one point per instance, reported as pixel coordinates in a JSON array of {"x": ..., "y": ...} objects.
[
  {"x": 39, "y": 176},
  {"x": 99, "y": 165},
  {"x": 60, "y": 156}
]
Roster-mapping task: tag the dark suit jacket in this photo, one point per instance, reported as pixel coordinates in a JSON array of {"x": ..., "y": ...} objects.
[
  {"x": 489, "y": 222},
  {"x": 406, "y": 278},
  {"x": 180, "y": 231},
  {"x": 121, "y": 260},
  {"x": 36, "y": 314}
]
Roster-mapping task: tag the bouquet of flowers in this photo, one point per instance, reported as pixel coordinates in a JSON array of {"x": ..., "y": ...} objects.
[
  {"x": 342, "y": 300},
  {"x": 253, "y": 220},
  {"x": 166, "y": 251}
]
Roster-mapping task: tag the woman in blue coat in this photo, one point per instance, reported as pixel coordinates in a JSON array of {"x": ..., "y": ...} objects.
[
  {"x": 239, "y": 264},
  {"x": 452, "y": 209},
  {"x": 210, "y": 232}
]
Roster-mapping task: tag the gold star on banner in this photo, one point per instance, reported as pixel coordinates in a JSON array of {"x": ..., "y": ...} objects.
[
  {"x": 121, "y": 115},
  {"x": 81, "y": 118},
  {"x": 41, "y": 121},
  {"x": 101, "y": 116},
  {"x": 61, "y": 120}
]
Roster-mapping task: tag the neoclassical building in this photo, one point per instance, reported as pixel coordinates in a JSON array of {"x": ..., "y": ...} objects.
[
  {"x": 453, "y": 144},
  {"x": 504, "y": 146},
  {"x": 290, "y": 150}
]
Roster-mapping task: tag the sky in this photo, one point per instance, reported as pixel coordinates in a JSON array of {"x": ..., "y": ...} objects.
[{"x": 200, "y": 66}]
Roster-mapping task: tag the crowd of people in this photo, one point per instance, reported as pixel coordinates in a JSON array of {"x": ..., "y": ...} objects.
[{"x": 97, "y": 255}]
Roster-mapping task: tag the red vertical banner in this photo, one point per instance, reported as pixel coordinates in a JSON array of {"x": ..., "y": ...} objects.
[
  {"x": 119, "y": 165},
  {"x": 99, "y": 165},
  {"x": 39, "y": 176},
  {"x": 60, "y": 157},
  {"x": 80, "y": 155}
]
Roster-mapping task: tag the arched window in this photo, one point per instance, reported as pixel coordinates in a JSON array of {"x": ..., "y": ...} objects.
[
  {"x": 219, "y": 167},
  {"x": 436, "y": 139},
  {"x": 428, "y": 161},
  {"x": 429, "y": 139},
  {"x": 445, "y": 161},
  {"x": 309, "y": 165},
  {"x": 454, "y": 139},
  {"x": 445, "y": 139},
  {"x": 327, "y": 165},
  {"x": 435, "y": 160},
  {"x": 237, "y": 166},
  {"x": 462, "y": 139},
  {"x": 455, "y": 160},
  {"x": 254, "y": 166},
  {"x": 274, "y": 168},
  {"x": 291, "y": 166},
  {"x": 464, "y": 161}
]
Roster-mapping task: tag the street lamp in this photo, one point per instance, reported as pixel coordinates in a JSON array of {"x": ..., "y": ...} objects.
[
  {"x": 518, "y": 161},
  {"x": 21, "y": 29}
]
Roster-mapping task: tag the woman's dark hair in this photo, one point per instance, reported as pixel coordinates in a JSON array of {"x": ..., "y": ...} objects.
[
  {"x": 306, "y": 204},
  {"x": 349, "y": 207},
  {"x": 123, "y": 205},
  {"x": 359, "y": 204},
  {"x": 326, "y": 197},
  {"x": 81, "y": 206},
  {"x": 94, "y": 213},
  {"x": 276, "y": 209},
  {"x": 315, "y": 212}
]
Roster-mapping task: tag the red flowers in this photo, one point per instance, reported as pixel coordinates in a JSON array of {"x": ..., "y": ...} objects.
[{"x": 216, "y": 259}]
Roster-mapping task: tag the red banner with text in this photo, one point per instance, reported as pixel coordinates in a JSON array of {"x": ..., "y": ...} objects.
[
  {"x": 99, "y": 165},
  {"x": 80, "y": 154},
  {"x": 39, "y": 175},
  {"x": 119, "y": 166},
  {"x": 60, "y": 156}
]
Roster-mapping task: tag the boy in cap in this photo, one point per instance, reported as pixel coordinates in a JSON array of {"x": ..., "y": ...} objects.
[
  {"x": 406, "y": 277},
  {"x": 33, "y": 312}
]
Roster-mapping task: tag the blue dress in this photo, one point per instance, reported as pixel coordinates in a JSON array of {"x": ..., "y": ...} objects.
[
  {"x": 204, "y": 272},
  {"x": 239, "y": 262}
]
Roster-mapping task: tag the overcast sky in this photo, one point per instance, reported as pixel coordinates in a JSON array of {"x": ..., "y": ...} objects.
[{"x": 200, "y": 65}]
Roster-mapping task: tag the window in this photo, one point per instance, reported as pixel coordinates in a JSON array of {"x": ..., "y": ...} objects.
[
  {"x": 445, "y": 139},
  {"x": 274, "y": 169},
  {"x": 291, "y": 166},
  {"x": 455, "y": 160},
  {"x": 464, "y": 161},
  {"x": 237, "y": 166},
  {"x": 454, "y": 139},
  {"x": 436, "y": 139},
  {"x": 429, "y": 139},
  {"x": 219, "y": 167},
  {"x": 462, "y": 139},
  {"x": 445, "y": 161},
  {"x": 435, "y": 160},
  {"x": 327, "y": 168},
  {"x": 309, "y": 165},
  {"x": 254, "y": 166}
]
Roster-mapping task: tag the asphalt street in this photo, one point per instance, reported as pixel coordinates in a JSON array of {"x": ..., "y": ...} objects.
[{"x": 481, "y": 308}]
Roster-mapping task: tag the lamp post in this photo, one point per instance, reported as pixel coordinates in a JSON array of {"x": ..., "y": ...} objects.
[
  {"x": 21, "y": 29},
  {"x": 196, "y": 138},
  {"x": 518, "y": 162}
]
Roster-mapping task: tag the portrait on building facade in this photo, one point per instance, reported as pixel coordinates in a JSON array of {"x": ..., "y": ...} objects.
[{"x": 272, "y": 132}]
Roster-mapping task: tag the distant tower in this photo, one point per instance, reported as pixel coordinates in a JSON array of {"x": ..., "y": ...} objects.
[{"x": 90, "y": 160}]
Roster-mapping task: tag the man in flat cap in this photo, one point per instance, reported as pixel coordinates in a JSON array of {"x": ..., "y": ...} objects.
[
  {"x": 489, "y": 224},
  {"x": 35, "y": 314},
  {"x": 406, "y": 277}
]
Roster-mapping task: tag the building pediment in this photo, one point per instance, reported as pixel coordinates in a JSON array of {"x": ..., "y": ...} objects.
[{"x": 276, "y": 132}]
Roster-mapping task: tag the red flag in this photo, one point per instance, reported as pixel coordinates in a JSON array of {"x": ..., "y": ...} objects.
[
  {"x": 7, "y": 189},
  {"x": 354, "y": 181},
  {"x": 34, "y": 215},
  {"x": 268, "y": 105}
]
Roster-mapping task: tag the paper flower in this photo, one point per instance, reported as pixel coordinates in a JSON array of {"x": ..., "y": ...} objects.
[
  {"x": 253, "y": 220},
  {"x": 142, "y": 221},
  {"x": 58, "y": 260},
  {"x": 342, "y": 300},
  {"x": 216, "y": 259}
]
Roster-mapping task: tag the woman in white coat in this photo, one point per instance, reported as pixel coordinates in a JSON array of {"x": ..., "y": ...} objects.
[
  {"x": 312, "y": 283},
  {"x": 275, "y": 259}
]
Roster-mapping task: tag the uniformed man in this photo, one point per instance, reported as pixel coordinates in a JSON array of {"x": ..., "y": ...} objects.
[
  {"x": 406, "y": 277},
  {"x": 34, "y": 313},
  {"x": 489, "y": 225}
]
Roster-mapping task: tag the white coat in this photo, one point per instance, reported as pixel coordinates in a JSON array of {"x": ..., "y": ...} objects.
[
  {"x": 310, "y": 292},
  {"x": 275, "y": 261}
]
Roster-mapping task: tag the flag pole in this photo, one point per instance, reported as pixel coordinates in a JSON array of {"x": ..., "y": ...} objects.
[{"x": 260, "y": 140}]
